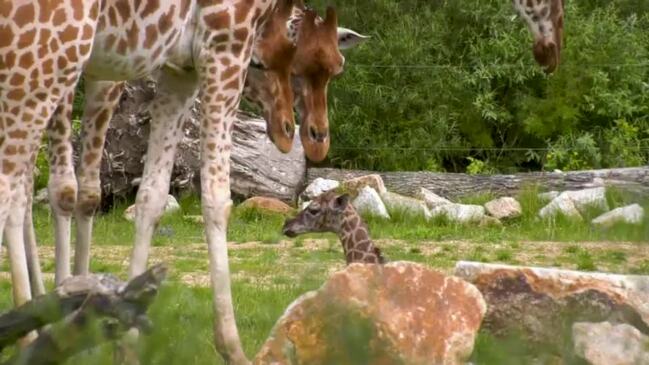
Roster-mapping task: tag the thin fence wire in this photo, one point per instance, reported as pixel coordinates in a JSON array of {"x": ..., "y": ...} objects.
[
  {"x": 468, "y": 149},
  {"x": 494, "y": 65}
]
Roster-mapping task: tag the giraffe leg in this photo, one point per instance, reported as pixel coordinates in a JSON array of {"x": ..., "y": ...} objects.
[
  {"x": 15, "y": 156},
  {"x": 62, "y": 184},
  {"x": 175, "y": 95},
  {"x": 15, "y": 245},
  {"x": 219, "y": 110},
  {"x": 31, "y": 249},
  {"x": 101, "y": 99}
]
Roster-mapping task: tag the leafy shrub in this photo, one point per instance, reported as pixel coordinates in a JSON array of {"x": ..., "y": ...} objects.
[
  {"x": 445, "y": 80},
  {"x": 572, "y": 152}
]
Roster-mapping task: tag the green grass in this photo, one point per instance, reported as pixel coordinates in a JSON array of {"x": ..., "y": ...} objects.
[
  {"x": 269, "y": 274},
  {"x": 252, "y": 225}
]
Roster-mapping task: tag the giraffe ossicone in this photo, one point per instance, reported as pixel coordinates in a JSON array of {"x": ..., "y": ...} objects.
[{"x": 332, "y": 212}]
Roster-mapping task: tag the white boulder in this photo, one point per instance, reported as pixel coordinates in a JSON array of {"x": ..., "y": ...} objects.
[
  {"x": 170, "y": 206},
  {"x": 561, "y": 204},
  {"x": 319, "y": 186},
  {"x": 368, "y": 201},
  {"x": 607, "y": 344},
  {"x": 396, "y": 202},
  {"x": 460, "y": 213},
  {"x": 587, "y": 198},
  {"x": 431, "y": 199},
  {"x": 632, "y": 214}
]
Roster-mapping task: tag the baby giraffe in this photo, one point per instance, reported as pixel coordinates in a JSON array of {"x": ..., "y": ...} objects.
[{"x": 331, "y": 212}]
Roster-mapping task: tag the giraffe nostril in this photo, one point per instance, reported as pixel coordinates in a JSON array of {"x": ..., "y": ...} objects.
[
  {"x": 312, "y": 133},
  {"x": 289, "y": 131},
  {"x": 318, "y": 136}
]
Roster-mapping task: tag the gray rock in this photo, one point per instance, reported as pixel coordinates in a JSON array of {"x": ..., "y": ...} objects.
[
  {"x": 172, "y": 204},
  {"x": 460, "y": 213},
  {"x": 129, "y": 213},
  {"x": 504, "y": 208},
  {"x": 170, "y": 207},
  {"x": 561, "y": 204},
  {"x": 369, "y": 201},
  {"x": 588, "y": 198},
  {"x": 431, "y": 199},
  {"x": 574, "y": 203},
  {"x": 632, "y": 214},
  {"x": 319, "y": 186},
  {"x": 607, "y": 344},
  {"x": 410, "y": 205}
]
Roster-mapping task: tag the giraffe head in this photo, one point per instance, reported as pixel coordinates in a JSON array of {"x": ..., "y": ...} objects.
[
  {"x": 317, "y": 59},
  {"x": 544, "y": 18},
  {"x": 326, "y": 213},
  {"x": 270, "y": 65}
]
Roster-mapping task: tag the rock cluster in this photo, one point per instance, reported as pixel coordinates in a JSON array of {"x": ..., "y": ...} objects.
[{"x": 371, "y": 197}]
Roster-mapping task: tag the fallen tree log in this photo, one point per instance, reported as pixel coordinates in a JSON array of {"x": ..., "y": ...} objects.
[
  {"x": 454, "y": 185},
  {"x": 257, "y": 166},
  {"x": 82, "y": 312}
]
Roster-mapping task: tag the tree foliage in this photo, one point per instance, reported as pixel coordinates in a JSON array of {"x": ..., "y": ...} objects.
[{"x": 442, "y": 85}]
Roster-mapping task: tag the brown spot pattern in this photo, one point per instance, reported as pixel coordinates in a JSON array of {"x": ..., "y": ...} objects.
[
  {"x": 25, "y": 15},
  {"x": 166, "y": 20}
]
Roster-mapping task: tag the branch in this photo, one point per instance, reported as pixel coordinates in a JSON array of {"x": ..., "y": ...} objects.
[{"x": 95, "y": 308}]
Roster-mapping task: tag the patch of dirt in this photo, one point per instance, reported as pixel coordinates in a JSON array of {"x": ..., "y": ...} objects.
[{"x": 291, "y": 266}]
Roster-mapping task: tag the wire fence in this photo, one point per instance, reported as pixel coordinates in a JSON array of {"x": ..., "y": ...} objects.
[
  {"x": 494, "y": 65},
  {"x": 470, "y": 149}
]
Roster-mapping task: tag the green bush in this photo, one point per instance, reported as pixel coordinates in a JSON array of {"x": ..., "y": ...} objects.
[{"x": 466, "y": 85}]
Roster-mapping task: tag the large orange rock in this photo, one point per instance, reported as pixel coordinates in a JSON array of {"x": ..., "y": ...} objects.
[
  {"x": 399, "y": 313},
  {"x": 267, "y": 204},
  {"x": 355, "y": 185}
]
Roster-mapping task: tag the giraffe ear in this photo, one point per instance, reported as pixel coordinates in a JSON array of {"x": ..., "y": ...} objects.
[
  {"x": 308, "y": 21},
  {"x": 347, "y": 38},
  {"x": 341, "y": 202}
]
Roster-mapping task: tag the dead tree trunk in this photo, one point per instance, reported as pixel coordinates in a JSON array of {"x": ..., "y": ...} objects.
[
  {"x": 257, "y": 166},
  {"x": 82, "y": 312},
  {"x": 452, "y": 185}
]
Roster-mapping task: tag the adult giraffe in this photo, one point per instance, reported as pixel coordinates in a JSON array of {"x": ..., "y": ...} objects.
[
  {"x": 263, "y": 85},
  {"x": 45, "y": 45}
]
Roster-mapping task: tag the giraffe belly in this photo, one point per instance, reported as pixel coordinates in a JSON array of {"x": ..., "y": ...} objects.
[
  {"x": 137, "y": 42},
  {"x": 108, "y": 66}
]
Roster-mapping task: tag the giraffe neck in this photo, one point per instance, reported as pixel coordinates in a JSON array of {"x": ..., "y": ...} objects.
[
  {"x": 537, "y": 14},
  {"x": 356, "y": 241}
]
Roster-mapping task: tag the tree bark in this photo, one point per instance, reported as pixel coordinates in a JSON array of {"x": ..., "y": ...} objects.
[
  {"x": 257, "y": 166},
  {"x": 94, "y": 308},
  {"x": 454, "y": 185}
]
